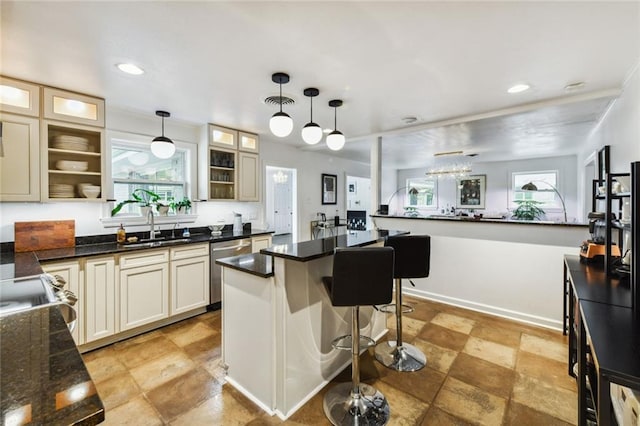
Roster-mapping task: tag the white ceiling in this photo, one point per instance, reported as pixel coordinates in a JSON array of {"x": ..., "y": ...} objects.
[{"x": 212, "y": 62}]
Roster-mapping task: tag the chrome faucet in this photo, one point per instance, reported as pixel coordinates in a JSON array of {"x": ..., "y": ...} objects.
[
  {"x": 151, "y": 221},
  {"x": 173, "y": 231}
]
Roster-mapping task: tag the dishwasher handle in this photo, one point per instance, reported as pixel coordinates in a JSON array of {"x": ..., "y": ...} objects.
[{"x": 230, "y": 247}]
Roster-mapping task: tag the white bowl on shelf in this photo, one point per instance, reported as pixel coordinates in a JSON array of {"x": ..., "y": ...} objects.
[
  {"x": 72, "y": 166},
  {"x": 91, "y": 191}
]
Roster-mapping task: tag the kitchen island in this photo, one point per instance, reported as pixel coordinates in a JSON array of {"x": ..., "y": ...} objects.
[
  {"x": 501, "y": 267},
  {"x": 278, "y": 321}
]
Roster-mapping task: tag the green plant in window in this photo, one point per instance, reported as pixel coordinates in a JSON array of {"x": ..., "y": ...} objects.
[
  {"x": 528, "y": 210},
  {"x": 142, "y": 197},
  {"x": 181, "y": 206}
]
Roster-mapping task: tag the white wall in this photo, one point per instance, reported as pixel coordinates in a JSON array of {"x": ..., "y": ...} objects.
[{"x": 498, "y": 182}]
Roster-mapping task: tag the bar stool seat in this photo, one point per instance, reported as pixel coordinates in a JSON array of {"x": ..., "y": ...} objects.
[
  {"x": 412, "y": 260},
  {"x": 361, "y": 277}
]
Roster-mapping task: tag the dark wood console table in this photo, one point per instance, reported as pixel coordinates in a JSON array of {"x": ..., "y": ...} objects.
[{"x": 606, "y": 329}]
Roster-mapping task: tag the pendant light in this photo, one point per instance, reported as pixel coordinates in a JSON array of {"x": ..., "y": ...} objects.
[
  {"x": 280, "y": 124},
  {"x": 311, "y": 132},
  {"x": 335, "y": 139},
  {"x": 162, "y": 146}
]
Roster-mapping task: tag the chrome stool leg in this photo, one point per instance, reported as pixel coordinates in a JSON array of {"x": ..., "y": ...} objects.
[
  {"x": 398, "y": 355},
  {"x": 355, "y": 403}
]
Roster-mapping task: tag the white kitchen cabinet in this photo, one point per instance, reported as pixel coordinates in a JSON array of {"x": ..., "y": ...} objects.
[
  {"x": 249, "y": 177},
  {"x": 222, "y": 136},
  {"x": 70, "y": 272},
  {"x": 73, "y": 107},
  {"x": 19, "y": 97},
  {"x": 144, "y": 288},
  {"x": 100, "y": 298},
  {"x": 259, "y": 242},
  {"x": 189, "y": 278},
  {"x": 248, "y": 142},
  {"x": 20, "y": 159}
]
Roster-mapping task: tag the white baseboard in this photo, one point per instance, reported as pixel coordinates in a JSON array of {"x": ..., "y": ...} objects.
[
  {"x": 249, "y": 395},
  {"x": 486, "y": 309}
]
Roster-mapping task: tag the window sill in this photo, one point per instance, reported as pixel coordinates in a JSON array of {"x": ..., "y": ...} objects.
[{"x": 115, "y": 221}]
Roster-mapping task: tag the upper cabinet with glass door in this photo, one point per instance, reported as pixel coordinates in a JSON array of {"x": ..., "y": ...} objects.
[
  {"x": 248, "y": 142},
  {"x": 73, "y": 107},
  {"x": 223, "y": 137},
  {"x": 19, "y": 97}
]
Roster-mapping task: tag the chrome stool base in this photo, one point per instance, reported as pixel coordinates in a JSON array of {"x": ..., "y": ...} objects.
[
  {"x": 400, "y": 358},
  {"x": 342, "y": 407},
  {"x": 391, "y": 308}
]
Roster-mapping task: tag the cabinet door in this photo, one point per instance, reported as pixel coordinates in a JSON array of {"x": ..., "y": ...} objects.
[
  {"x": 20, "y": 159},
  {"x": 248, "y": 182},
  {"x": 144, "y": 295},
  {"x": 70, "y": 272},
  {"x": 222, "y": 136},
  {"x": 19, "y": 97},
  {"x": 73, "y": 107},
  {"x": 260, "y": 242},
  {"x": 248, "y": 142},
  {"x": 189, "y": 284},
  {"x": 222, "y": 174},
  {"x": 100, "y": 298}
]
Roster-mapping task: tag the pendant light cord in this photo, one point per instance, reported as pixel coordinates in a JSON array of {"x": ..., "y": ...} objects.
[
  {"x": 280, "y": 82},
  {"x": 311, "y": 109},
  {"x": 335, "y": 118},
  {"x": 162, "y": 126}
]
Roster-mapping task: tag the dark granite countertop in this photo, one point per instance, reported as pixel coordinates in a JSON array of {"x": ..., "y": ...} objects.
[
  {"x": 482, "y": 220},
  {"x": 314, "y": 249},
  {"x": 254, "y": 263},
  {"x": 18, "y": 265},
  {"x": 43, "y": 379}
]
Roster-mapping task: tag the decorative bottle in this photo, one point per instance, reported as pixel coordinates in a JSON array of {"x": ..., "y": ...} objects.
[{"x": 121, "y": 235}]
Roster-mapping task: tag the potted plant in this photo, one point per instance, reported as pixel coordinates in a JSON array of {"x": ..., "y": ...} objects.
[
  {"x": 181, "y": 206},
  {"x": 143, "y": 197},
  {"x": 528, "y": 210}
]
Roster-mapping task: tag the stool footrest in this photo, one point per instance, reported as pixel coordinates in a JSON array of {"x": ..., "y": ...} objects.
[
  {"x": 344, "y": 342},
  {"x": 391, "y": 308}
]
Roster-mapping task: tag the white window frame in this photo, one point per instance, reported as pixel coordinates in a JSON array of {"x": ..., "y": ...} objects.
[
  {"x": 543, "y": 193},
  {"x": 139, "y": 140},
  {"x": 407, "y": 195}
]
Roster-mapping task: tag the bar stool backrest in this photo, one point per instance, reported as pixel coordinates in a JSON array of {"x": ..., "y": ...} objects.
[
  {"x": 413, "y": 255},
  {"x": 361, "y": 276}
]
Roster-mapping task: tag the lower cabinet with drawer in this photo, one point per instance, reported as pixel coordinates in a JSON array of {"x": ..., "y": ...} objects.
[{"x": 189, "y": 278}]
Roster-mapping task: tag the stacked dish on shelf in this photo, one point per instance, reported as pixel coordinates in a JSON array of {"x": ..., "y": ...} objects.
[
  {"x": 71, "y": 143},
  {"x": 88, "y": 190},
  {"x": 61, "y": 190},
  {"x": 72, "y": 166}
]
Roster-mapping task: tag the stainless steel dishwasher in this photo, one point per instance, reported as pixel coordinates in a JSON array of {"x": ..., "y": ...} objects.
[{"x": 218, "y": 251}]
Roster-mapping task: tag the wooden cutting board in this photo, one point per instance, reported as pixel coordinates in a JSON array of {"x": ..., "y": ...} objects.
[{"x": 31, "y": 236}]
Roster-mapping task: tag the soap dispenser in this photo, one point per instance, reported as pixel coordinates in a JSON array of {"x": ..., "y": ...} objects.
[{"x": 121, "y": 235}]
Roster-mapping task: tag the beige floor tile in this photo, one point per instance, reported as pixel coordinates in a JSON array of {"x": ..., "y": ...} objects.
[
  {"x": 544, "y": 347},
  {"x": 482, "y": 374},
  {"x": 206, "y": 349},
  {"x": 133, "y": 354},
  {"x": 137, "y": 412},
  {"x": 423, "y": 384},
  {"x": 161, "y": 370},
  {"x": 190, "y": 333},
  {"x": 103, "y": 364},
  {"x": 454, "y": 322},
  {"x": 438, "y": 358},
  {"x": 423, "y": 311},
  {"x": 183, "y": 393},
  {"x": 470, "y": 403},
  {"x": 443, "y": 337},
  {"x": 521, "y": 415},
  {"x": 404, "y": 408},
  {"x": 492, "y": 352},
  {"x": 545, "y": 369},
  {"x": 221, "y": 409},
  {"x": 502, "y": 336},
  {"x": 117, "y": 390},
  {"x": 557, "y": 402},
  {"x": 410, "y": 327},
  {"x": 437, "y": 417}
]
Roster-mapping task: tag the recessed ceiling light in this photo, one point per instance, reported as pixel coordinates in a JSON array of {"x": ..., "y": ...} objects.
[
  {"x": 574, "y": 86},
  {"x": 130, "y": 69},
  {"x": 409, "y": 119},
  {"x": 518, "y": 88}
]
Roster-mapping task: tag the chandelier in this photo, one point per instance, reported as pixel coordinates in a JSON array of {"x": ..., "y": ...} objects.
[{"x": 451, "y": 169}]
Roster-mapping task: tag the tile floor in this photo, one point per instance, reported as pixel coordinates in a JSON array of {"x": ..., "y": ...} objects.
[{"x": 481, "y": 370}]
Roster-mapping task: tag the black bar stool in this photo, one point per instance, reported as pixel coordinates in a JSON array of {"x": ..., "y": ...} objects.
[
  {"x": 412, "y": 258},
  {"x": 361, "y": 277}
]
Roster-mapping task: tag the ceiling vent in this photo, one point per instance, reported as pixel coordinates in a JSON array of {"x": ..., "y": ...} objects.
[{"x": 277, "y": 100}]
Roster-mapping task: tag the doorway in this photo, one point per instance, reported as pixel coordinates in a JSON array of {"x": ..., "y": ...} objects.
[
  {"x": 281, "y": 201},
  {"x": 358, "y": 202}
]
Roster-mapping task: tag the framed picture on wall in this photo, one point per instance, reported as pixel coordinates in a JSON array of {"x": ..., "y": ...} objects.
[
  {"x": 470, "y": 192},
  {"x": 329, "y": 187}
]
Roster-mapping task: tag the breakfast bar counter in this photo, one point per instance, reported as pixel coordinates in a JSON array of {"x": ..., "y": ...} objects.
[{"x": 277, "y": 328}]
